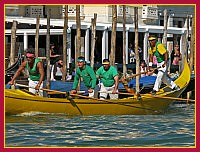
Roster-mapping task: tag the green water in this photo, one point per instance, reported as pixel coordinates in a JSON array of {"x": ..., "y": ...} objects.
[{"x": 174, "y": 128}]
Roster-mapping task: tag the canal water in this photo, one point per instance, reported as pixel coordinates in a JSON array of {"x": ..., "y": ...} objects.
[{"x": 174, "y": 128}]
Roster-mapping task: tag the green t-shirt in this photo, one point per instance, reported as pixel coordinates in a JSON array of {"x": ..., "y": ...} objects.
[
  {"x": 107, "y": 77},
  {"x": 159, "y": 50},
  {"x": 88, "y": 75},
  {"x": 34, "y": 73}
]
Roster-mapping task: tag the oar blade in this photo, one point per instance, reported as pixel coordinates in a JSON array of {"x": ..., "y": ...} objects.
[{"x": 70, "y": 99}]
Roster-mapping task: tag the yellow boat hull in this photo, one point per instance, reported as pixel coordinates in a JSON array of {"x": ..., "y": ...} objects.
[{"x": 18, "y": 101}]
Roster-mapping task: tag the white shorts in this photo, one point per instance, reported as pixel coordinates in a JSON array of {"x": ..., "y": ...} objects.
[
  {"x": 104, "y": 91},
  {"x": 33, "y": 84}
]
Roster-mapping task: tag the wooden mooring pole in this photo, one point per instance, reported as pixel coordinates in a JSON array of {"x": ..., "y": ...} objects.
[
  {"x": 124, "y": 41},
  {"x": 37, "y": 36},
  {"x": 192, "y": 45},
  {"x": 192, "y": 52},
  {"x": 48, "y": 49},
  {"x": 13, "y": 43},
  {"x": 113, "y": 35},
  {"x": 65, "y": 44},
  {"x": 78, "y": 39},
  {"x": 136, "y": 49},
  {"x": 93, "y": 40},
  {"x": 78, "y": 33},
  {"x": 165, "y": 28}
]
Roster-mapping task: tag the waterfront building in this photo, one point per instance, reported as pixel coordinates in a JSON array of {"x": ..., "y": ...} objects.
[{"x": 151, "y": 21}]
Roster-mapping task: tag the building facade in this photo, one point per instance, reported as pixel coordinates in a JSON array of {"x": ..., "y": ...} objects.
[{"x": 150, "y": 20}]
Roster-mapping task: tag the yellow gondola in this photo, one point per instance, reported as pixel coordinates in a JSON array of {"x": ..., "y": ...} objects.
[{"x": 18, "y": 101}]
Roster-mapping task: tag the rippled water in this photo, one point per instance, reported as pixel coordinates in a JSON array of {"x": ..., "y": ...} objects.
[{"x": 175, "y": 128}]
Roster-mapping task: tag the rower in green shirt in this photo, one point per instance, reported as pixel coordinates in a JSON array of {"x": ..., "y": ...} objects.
[
  {"x": 88, "y": 75},
  {"x": 110, "y": 80},
  {"x": 36, "y": 72},
  {"x": 159, "y": 50}
]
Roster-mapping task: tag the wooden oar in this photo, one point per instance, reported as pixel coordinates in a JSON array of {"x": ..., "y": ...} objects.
[
  {"x": 134, "y": 75},
  {"x": 166, "y": 97},
  {"x": 25, "y": 86},
  {"x": 55, "y": 91},
  {"x": 157, "y": 96}
]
